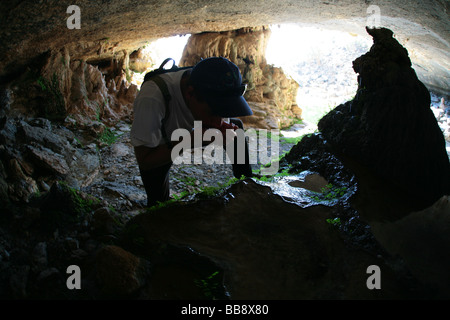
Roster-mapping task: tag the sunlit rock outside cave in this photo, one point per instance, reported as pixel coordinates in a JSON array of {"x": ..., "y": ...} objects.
[{"x": 357, "y": 119}]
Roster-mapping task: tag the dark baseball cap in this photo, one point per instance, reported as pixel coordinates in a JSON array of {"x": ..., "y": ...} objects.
[{"x": 220, "y": 83}]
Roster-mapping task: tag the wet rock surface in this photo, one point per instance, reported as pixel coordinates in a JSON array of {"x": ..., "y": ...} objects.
[{"x": 266, "y": 247}]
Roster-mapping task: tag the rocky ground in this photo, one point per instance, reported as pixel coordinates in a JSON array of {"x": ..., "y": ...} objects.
[
  {"x": 119, "y": 181},
  {"x": 101, "y": 192},
  {"x": 35, "y": 249}
]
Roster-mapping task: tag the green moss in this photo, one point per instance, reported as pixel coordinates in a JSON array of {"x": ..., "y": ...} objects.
[
  {"x": 210, "y": 286},
  {"x": 55, "y": 106},
  {"x": 64, "y": 206},
  {"x": 330, "y": 192},
  {"x": 82, "y": 204},
  {"x": 334, "y": 222},
  {"x": 212, "y": 191},
  {"x": 201, "y": 193},
  {"x": 294, "y": 140}
]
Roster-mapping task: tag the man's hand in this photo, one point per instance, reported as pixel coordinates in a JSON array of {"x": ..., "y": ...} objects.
[
  {"x": 227, "y": 131},
  {"x": 225, "y": 125}
]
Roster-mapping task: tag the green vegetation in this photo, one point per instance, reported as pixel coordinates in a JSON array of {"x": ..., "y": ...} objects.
[
  {"x": 209, "y": 286},
  {"x": 335, "y": 222},
  {"x": 65, "y": 206},
  {"x": 180, "y": 196},
  {"x": 78, "y": 142},
  {"x": 81, "y": 204},
  {"x": 55, "y": 106},
  {"x": 330, "y": 192},
  {"x": 293, "y": 140},
  {"x": 211, "y": 191},
  {"x": 282, "y": 173},
  {"x": 201, "y": 192},
  {"x": 108, "y": 136}
]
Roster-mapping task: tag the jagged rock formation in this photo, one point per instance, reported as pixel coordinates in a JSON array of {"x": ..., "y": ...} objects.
[
  {"x": 270, "y": 93},
  {"x": 389, "y": 127},
  {"x": 73, "y": 91},
  {"x": 35, "y": 154}
]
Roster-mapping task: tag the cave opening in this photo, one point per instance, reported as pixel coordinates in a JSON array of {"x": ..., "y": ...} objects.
[
  {"x": 320, "y": 60},
  {"x": 157, "y": 51}
]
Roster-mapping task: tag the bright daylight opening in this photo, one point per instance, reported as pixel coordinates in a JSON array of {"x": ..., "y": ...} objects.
[
  {"x": 161, "y": 49},
  {"x": 319, "y": 60}
]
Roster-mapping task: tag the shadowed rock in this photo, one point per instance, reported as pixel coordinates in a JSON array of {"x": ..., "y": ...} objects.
[
  {"x": 266, "y": 247},
  {"x": 388, "y": 128}
]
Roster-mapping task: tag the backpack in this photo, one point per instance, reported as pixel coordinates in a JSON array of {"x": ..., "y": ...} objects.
[{"x": 154, "y": 76}]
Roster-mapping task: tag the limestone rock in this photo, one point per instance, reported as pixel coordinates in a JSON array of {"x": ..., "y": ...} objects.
[
  {"x": 108, "y": 28},
  {"x": 84, "y": 91},
  {"x": 140, "y": 61},
  {"x": 49, "y": 160},
  {"x": 22, "y": 187},
  {"x": 119, "y": 272},
  {"x": 389, "y": 127},
  {"x": 421, "y": 239},
  {"x": 267, "y": 247},
  {"x": 267, "y": 85},
  {"x": 43, "y": 137}
]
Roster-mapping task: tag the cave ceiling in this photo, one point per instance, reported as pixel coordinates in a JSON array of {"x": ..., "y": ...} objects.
[{"x": 108, "y": 27}]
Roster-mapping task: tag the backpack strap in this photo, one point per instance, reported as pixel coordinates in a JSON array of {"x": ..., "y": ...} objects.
[
  {"x": 155, "y": 77},
  {"x": 174, "y": 66},
  {"x": 165, "y": 92}
]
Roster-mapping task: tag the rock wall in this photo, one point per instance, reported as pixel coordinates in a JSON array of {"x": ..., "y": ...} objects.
[
  {"x": 32, "y": 28},
  {"x": 61, "y": 89},
  {"x": 270, "y": 93},
  {"x": 53, "y": 119}
]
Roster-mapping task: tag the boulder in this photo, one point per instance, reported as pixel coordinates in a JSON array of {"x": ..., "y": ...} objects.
[
  {"x": 49, "y": 160},
  {"x": 388, "y": 129},
  {"x": 266, "y": 246},
  {"x": 119, "y": 272}
]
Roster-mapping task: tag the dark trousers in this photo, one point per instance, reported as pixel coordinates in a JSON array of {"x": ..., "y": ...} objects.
[{"x": 156, "y": 181}]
